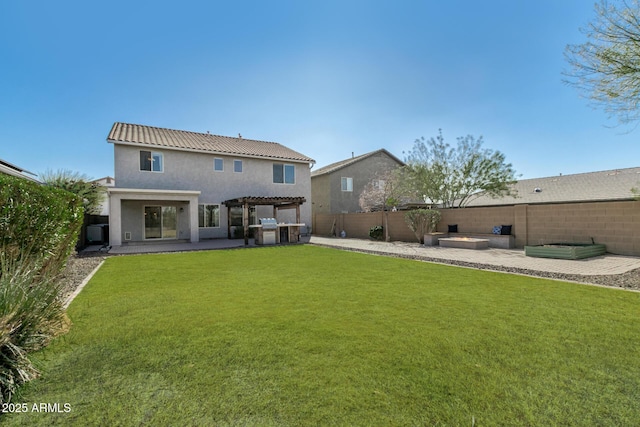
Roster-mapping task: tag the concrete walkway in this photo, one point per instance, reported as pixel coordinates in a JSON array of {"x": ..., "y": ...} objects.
[
  {"x": 510, "y": 258},
  {"x": 203, "y": 245}
]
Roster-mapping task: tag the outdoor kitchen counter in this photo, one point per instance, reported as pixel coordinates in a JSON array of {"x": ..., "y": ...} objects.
[{"x": 286, "y": 233}]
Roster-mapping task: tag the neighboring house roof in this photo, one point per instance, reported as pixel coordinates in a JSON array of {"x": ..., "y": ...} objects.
[
  {"x": 106, "y": 181},
  {"x": 344, "y": 163},
  {"x": 13, "y": 170},
  {"x": 583, "y": 187},
  {"x": 131, "y": 134}
]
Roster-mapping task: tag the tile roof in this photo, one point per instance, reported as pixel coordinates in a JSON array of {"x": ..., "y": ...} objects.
[
  {"x": 583, "y": 187},
  {"x": 125, "y": 133},
  {"x": 344, "y": 163}
]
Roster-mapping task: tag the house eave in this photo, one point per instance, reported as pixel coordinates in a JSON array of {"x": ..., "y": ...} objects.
[
  {"x": 152, "y": 192},
  {"x": 212, "y": 152}
]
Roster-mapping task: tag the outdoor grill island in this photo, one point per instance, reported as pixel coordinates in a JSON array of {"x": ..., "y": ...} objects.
[
  {"x": 268, "y": 227},
  {"x": 266, "y": 232},
  {"x": 269, "y": 232}
]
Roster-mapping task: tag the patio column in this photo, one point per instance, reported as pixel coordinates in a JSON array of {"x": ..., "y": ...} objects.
[
  {"x": 245, "y": 221},
  {"x": 115, "y": 220},
  {"x": 193, "y": 219}
]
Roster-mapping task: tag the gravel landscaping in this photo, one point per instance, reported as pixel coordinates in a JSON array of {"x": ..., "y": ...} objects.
[
  {"x": 78, "y": 268},
  {"x": 629, "y": 280}
]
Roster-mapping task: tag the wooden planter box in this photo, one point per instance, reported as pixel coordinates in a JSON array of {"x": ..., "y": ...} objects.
[{"x": 565, "y": 250}]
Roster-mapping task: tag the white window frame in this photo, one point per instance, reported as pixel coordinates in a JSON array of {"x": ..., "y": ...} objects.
[
  {"x": 214, "y": 164},
  {"x": 204, "y": 218},
  {"x": 285, "y": 166},
  {"x": 153, "y": 154},
  {"x": 349, "y": 184},
  {"x": 235, "y": 162}
]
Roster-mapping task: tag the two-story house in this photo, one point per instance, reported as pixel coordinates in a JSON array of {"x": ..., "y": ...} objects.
[
  {"x": 336, "y": 188},
  {"x": 172, "y": 184}
]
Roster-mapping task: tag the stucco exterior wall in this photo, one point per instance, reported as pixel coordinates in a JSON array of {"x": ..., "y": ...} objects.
[
  {"x": 328, "y": 187},
  {"x": 615, "y": 224},
  {"x": 193, "y": 171},
  {"x": 321, "y": 194}
]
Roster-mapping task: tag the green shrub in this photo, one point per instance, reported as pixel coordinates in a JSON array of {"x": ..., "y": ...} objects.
[
  {"x": 38, "y": 221},
  {"x": 376, "y": 232},
  {"x": 422, "y": 221},
  {"x": 38, "y": 231}
]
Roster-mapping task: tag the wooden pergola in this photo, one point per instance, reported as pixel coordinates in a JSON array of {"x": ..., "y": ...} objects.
[{"x": 248, "y": 201}]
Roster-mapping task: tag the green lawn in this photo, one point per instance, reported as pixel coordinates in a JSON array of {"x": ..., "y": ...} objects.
[{"x": 302, "y": 335}]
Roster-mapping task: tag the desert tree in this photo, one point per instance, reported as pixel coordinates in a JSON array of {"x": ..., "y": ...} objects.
[
  {"x": 422, "y": 221},
  {"x": 382, "y": 193},
  {"x": 606, "y": 67},
  {"x": 453, "y": 176}
]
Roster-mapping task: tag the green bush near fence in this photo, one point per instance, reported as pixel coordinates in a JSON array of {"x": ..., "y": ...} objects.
[
  {"x": 376, "y": 232},
  {"x": 39, "y": 226}
]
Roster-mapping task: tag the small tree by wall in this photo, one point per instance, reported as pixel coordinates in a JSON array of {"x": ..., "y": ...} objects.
[
  {"x": 422, "y": 221},
  {"x": 382, "y": 193}
]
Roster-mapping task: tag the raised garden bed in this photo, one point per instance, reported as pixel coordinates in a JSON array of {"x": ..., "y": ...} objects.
[{"x": 565, "y": 250}]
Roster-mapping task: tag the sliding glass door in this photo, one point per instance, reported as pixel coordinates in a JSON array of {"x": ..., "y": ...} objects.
[{"x": 160, "y": 222}]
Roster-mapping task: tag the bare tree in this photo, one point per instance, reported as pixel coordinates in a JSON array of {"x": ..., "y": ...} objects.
[
  {"x": 606, "y": 68},
  {"x": 382, "y": 193}
]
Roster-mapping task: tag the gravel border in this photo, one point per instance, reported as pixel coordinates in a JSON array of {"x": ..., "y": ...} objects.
[
  {"x": 77, "y": 270},
  {"x": 628, "y": 281}
]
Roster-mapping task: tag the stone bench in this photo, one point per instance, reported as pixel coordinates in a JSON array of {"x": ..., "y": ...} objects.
[{"x": 502, "y": 241}]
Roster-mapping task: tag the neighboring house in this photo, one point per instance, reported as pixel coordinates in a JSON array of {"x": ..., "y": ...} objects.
[
  {"x": 602, "y": 186},
  {"x": 107, "y": 182},
  {"x": 13, "y": 170},
  {"x": 336, "y": 188},
  {"x": 172, "y": 184}
]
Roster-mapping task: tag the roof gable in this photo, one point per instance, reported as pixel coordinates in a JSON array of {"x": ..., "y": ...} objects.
[
  {"x": 132, "y": 134},
  {"x": 347, "y": 162}
]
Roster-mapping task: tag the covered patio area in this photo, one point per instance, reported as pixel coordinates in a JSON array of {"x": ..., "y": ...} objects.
[{"x": 247, "y": 202}]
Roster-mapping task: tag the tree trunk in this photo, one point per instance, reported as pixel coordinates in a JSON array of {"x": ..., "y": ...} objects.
[{"x": 386, "y": 226}]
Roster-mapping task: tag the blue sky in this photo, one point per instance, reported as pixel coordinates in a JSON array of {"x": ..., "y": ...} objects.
[{"x": 326, "y": 78}]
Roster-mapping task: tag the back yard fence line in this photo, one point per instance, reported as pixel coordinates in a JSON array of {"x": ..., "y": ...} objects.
[{"x": 615, "y": 224}]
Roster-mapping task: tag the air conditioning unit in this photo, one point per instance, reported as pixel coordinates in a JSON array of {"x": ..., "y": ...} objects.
[{"x": 97, "y": 234}]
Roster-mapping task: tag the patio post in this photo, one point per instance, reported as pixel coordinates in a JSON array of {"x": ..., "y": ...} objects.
[{"x": 245, "y": 221}]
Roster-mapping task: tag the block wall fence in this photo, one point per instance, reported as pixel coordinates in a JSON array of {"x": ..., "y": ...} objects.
[{"x": 615, "y": 224}]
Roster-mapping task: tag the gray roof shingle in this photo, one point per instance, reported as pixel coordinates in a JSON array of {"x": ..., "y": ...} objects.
[
  {"x": 583, "y": 187},
  {"x": 125, "y": 133}
]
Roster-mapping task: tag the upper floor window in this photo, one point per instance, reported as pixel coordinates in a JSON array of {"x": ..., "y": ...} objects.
[
  {"x": 218, "y": 164},
  {"x": 151, "y": 161},
  {"x": 237, "y": 165},
  {"x": 284, "y": 174},
  {"x": 346, "y": 184}
]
